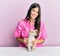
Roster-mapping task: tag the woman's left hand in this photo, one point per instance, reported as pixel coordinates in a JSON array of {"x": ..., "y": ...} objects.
[{"x": 38, "y": 41}]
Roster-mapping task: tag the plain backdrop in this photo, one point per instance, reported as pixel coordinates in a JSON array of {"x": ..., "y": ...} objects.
[{"x": 12, "y": 11}]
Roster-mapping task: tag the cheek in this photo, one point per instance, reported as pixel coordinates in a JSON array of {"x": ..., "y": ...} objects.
[
  {"x": 36, "y": 15},
  {"x": 32, "y": 13}
]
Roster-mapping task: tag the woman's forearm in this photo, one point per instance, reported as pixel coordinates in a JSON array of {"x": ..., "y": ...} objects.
[
  {"x": 19, "y": 39},
  {"x": 41, "y": 41}
]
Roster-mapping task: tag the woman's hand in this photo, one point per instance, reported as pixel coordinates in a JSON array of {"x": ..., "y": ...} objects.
[
  {"x": 25, "y": 40},
  {"x": 40, "y": 41}
]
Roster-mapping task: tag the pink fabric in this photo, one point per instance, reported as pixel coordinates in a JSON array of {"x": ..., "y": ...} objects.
[{"x": 23, "y": 28}]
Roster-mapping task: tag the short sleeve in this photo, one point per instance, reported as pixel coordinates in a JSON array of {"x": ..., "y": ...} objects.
[
  {"x": 18, "y": 30},
  {"x": 43, "y": 32}
]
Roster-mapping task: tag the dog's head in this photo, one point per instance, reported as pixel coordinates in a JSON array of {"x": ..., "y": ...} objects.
[{"x": 33, "y": 32}]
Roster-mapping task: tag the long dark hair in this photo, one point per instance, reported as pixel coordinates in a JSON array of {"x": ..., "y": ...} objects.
[{"x": 38, "y": 18}]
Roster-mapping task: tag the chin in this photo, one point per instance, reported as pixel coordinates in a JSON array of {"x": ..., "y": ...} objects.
[{"x": 33, "y": 17}]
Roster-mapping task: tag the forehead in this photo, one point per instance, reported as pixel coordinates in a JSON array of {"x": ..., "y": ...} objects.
[{"x": 36, "y": 9}]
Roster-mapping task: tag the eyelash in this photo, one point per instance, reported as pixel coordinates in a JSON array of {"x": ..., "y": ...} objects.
[{"x": 34, "y": 11}]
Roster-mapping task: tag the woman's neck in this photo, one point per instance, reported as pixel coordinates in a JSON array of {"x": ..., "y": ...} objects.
[{"x": 32, "y": 21}]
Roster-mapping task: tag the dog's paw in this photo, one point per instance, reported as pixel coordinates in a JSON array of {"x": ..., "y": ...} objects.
[
  {"x": 33, "y": 49},
  {"x": 29, "y": 50}
]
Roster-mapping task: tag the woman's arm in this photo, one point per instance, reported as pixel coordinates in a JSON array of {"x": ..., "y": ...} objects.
[
  {"x": 40, "y": 41},
  {"x": 43, "y": 34},
  {"x": 22, "y": 40},
  {"x": 19, "y": 39}
]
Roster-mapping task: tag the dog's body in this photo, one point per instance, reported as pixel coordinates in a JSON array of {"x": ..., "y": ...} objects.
[{"x": 31, "y": 38}]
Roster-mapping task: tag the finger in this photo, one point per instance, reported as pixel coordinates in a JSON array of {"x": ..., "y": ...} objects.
[{"x": 26, "y": 38}]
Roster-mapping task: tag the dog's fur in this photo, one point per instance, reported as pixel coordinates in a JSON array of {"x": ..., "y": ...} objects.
[{"x": 31, "y": 38}]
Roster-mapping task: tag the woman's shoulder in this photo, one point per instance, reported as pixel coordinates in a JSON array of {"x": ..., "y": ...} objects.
[
  {"x": 42, "y": 24},
  {"x": 22, "y": 21}
]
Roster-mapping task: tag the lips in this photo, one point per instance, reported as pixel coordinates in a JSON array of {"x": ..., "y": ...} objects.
[{"x": 34, "y": 16}]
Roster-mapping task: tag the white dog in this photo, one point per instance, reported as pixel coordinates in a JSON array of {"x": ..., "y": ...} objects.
[{"x": 31, "y": 38}]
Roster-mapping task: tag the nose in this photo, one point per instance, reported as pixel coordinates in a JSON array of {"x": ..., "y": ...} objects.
[{"x": 35, "y": 13}]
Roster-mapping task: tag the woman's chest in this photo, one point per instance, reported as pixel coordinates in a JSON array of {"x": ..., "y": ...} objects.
[{"x": 26, "y": 27}]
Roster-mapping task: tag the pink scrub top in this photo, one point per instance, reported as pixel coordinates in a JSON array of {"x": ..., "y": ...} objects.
[{"x": 23, "y": 28}]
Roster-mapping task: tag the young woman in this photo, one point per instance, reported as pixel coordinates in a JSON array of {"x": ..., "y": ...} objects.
[{"x": 30, "y": 22}]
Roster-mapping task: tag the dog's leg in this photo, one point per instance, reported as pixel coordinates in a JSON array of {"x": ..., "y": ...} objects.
[
  {"x": 29, "y": 47},
  {"x": 33, "y": 47}
]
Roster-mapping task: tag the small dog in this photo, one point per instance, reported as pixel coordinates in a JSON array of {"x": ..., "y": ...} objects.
[{"x": 31, "y": 38}]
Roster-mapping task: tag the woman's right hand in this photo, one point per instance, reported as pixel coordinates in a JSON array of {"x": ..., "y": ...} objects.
[{"x": 25, "y": 40}]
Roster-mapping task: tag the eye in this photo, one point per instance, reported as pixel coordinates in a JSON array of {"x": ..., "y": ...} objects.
[{"x": 33, "y": 10}]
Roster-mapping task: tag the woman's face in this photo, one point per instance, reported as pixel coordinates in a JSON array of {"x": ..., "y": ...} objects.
[{"x": 34, "y": 13}]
